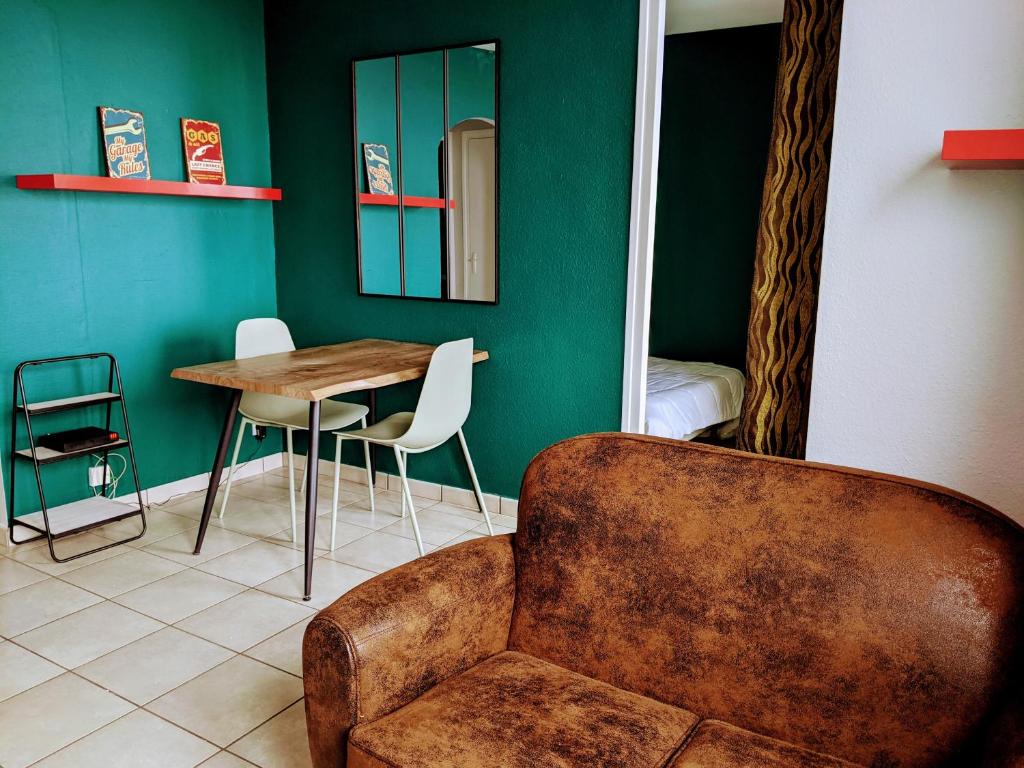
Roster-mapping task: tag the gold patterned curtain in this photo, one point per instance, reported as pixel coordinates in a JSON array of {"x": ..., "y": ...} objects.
[{"x": 784, "y": 298}]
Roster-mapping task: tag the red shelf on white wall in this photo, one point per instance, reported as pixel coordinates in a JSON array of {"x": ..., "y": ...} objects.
[
  {"x": 69, "y": 182},
  {"x": 410, "y": 201},
  {"x": 984, "y": 150}
]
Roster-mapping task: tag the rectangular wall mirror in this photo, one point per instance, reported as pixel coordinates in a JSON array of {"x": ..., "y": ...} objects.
[{"x": 425, "y": 127}]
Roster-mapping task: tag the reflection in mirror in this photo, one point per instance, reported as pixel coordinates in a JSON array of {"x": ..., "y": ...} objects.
[
  {"x": 472, "y": 233},
  {"x": 376, "y": 140},
  {"x": 425, "y": 135},
  {"x": 422, "y": 106}
]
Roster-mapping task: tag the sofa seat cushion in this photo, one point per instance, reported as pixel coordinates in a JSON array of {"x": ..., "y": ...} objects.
[
  {"x": 517, "y": 711},
  {"x": 720, "y": 745}
]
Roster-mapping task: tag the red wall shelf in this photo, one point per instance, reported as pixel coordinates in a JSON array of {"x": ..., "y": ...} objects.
[
  {"x": 410, "y": 201},
  {"x": 69, "y": 182},
  {"x": 984, "y": 150}
]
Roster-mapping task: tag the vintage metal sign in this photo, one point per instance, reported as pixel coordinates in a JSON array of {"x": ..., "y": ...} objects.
[
  {"x": 204, "y": 151},
  {"x": 124, "y": 143},
  {"x": 378, "y": 169}
]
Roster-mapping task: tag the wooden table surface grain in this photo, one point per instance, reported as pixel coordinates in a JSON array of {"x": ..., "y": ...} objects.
[{"x": 315, "y": 373}]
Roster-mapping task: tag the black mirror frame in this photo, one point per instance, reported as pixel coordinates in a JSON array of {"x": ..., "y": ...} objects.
[{"x": 357, "y": 164}]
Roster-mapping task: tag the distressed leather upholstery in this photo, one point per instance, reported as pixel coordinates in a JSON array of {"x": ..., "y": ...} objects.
[{"x": 669, "y": 604}]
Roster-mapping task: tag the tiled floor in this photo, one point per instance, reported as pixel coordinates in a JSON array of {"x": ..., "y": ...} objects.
[{"x": 145, "y": 655}]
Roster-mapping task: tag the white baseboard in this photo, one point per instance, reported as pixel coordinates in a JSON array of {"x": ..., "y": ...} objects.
[{"x": 159, "y": 494}]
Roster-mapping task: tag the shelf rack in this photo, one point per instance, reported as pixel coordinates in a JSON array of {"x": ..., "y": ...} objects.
[
  {"x": 987, "y": 150},
  {"x": 54, "y": 523},
  {"x": 74, "y": 183}
]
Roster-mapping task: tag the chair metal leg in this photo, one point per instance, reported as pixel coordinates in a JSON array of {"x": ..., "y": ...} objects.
[
  {"x": 305, "y": 474},
  {"x": 476, "y": 484},
  {"x": 369, "y": 469},
  {"x": 337, "y": 483},
  {"x": 408, "y": 497},
  {"x": 231, "y": 469},
  {"x": 291, "y": 482},
  {"x": 405, "y": 463}
]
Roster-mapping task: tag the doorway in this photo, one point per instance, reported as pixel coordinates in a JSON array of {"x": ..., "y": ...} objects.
[{"x": 471, "y": 266}]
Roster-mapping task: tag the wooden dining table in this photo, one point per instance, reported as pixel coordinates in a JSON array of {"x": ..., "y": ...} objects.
[{"x": 312, "y": 374}]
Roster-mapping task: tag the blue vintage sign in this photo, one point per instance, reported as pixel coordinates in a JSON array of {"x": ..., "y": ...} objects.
[{"x": 124, "y": 143}]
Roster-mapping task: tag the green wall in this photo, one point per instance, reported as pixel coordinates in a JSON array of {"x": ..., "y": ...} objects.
[
  {"x": 716, "y": 110},
  {"x": 568, "y": 74},
  {"x": 158, "y": 281}
]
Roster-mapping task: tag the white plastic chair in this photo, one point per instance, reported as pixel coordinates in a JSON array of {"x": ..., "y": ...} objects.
[
  {"x": 442, "y": 409},
  {"x": 266, "y": 336}
]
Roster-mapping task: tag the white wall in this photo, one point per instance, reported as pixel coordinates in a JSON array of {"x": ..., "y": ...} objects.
[{"x": 919, "y": 358}]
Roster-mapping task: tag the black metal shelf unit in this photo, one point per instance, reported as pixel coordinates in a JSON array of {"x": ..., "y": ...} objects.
[{"x": 53, "y": 523}]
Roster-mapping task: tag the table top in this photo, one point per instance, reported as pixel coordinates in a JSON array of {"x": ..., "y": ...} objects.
[{"x": 318, "y": 372}]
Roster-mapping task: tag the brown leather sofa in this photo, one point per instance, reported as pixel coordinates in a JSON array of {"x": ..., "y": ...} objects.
[{"x": 667, "y": 604}]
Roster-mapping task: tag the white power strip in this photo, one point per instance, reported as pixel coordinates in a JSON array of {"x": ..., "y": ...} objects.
[{"x": 96, "y": 475}]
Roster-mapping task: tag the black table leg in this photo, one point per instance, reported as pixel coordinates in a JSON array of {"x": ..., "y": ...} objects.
[
  {"x": 218, "y": 466},
  {"x": 312, "y": 467},
  {"x": 372, "y": 419}
]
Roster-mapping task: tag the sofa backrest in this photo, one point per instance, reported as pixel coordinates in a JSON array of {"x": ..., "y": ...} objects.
[{"x": 862, "y": 615}]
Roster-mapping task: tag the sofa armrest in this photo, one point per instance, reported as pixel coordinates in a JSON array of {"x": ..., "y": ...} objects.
[{"x": 392, "y": 638}]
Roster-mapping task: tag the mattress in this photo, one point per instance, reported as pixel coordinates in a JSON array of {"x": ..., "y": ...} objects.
[{"x": 684, "y": 399}]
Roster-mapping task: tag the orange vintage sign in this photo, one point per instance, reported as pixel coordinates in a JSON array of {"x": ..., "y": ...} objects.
[{"x": 204, "y": 153}]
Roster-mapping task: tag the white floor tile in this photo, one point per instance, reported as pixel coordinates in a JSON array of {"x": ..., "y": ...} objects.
[
  {"x": 40, "y": 603},
  {"x": 377, "y": 552},
  {"x": 230, "y": 700},
  {"x": 280, "y": 742},
  {"x": 51, "y": 716},
  {"x": 217, "y": 542},
  {"x": 179, "y": 595},
  {"x": 245, "y": 620},
  {"x": 226, "y": 760},
  {"x": 137, "y": 740},
  {"x": 88, "y": 634},
  {"x": 244, "y": 515},
  {"x": 159, "y": 525},
  {"x": 499, "y": 530},
  {"x": 283, "y": 650},
  {"x": 22, "y": 670},
  {"x": 254, "y": 563},
  {"x": 331, "y": 579},
  {"x": 467, "y": 536},
  {"x": 150, "y": 667},
  {"x": 14, "y": 575},
  {"x": 123, "y": 573},
  {"x": 345, "y": 533},
  {"x": 436, "y": 527},
  {"x": 387, "y": 502},
  {"x": 37, "y": 554}
]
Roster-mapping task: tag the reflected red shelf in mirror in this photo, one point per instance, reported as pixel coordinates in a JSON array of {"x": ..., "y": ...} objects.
[
  {"x": 410, "y": 201},
  {"x": 72, "y": 183}
]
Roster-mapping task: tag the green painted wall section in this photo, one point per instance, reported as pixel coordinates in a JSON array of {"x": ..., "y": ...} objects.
[
  {"x": 158, "y": 281},
  {"x": 568, "y": 74},
  {"x": 716, "y": 111},
  {"x": 471, "y": 77}
]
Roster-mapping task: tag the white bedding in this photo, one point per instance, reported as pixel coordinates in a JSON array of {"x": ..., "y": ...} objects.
[{"x": 684, "y": 399}]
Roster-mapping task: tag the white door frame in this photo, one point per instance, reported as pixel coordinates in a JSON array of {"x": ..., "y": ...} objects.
[{"x": 650, "y": 53}]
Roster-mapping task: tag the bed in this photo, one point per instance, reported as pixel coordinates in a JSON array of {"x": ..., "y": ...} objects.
[{"x": 685, "y": 399}]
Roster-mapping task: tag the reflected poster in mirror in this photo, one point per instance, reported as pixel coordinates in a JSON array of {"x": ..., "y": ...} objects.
[{"x": 427, "y": 122}]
